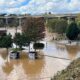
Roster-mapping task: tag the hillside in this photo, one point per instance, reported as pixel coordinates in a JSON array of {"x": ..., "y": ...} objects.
[{"x": 72, "y": 72}]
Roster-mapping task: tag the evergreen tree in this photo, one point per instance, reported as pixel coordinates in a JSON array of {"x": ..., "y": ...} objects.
[
  {"x": 72, "y": 31},
  {"x": 6, "y": 41},
  {"x": 20, "y": 40}
]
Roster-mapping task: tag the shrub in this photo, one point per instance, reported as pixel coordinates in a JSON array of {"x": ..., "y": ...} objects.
[
  {"x": 72, "y": 31},
  {"x": 16, "y": 49},
  {"x": 38, "y": 46}
]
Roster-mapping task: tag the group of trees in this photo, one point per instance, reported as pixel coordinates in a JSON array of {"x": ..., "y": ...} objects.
[
  {"x": 61, "y": 26},
  {"x": 33, "y": 30},
  {"x": 57, "y": 25}
]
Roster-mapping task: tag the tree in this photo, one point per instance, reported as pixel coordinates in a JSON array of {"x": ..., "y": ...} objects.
[
  {"x": 72, "y": 31},
  {"x": 38, "y": 46},
  {"x": 78, "y": 20},
  {"x": 61, "y": 26},
  {"x": 5, "y": 41},
  {"x": 20, "y": 40},
  {"x": 58, "y": 26},
  {"x": 78, "y": 17},
  {"x": 34, "y": 29},
  {"x": 51, "y": 25}
]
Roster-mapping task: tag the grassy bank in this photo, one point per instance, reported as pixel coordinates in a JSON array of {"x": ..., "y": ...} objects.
[{"x": 72, "y": 72}]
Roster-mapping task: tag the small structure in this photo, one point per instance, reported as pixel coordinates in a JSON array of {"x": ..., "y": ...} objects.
[
  {"x": 3, "y": 32},
  {"x": 14, "y": 55},
  {"x": 32, "y": 55}
]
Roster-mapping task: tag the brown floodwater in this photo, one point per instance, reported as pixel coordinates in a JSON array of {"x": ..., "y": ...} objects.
[{"x": 39, "y": 69}]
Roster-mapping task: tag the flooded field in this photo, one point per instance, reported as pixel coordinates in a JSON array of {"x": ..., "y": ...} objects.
[{"x": 40, "y": 69}]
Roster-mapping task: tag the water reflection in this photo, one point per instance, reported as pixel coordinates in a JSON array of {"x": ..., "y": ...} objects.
[
  {"x": 68, "y": 51},
  {"x": 9, "y": 66},
  {"x": 3, "y": 75},
  {"x": 17, "y": 73},
  {"x": 25, "y": 69},
  {"x": 72, "y": 51},
  {"x": 60, "y": 47},
  {"x": 21, "y": 69},
  {"x": 3, "y": 52}
]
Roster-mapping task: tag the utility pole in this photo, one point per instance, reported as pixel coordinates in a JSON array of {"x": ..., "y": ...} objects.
[{"x": 6, "y": 17}]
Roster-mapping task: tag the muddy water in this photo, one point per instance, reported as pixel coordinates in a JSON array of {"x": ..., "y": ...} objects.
[{"x": 41, "y": 69}]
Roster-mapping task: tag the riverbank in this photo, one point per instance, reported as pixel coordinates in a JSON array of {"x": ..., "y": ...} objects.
[{"x": 72, "y": 72}]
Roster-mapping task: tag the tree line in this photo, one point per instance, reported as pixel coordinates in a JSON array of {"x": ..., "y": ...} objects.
[
  {"x": 71, "y": 29},
  {"x": 33, "y": 30}
]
